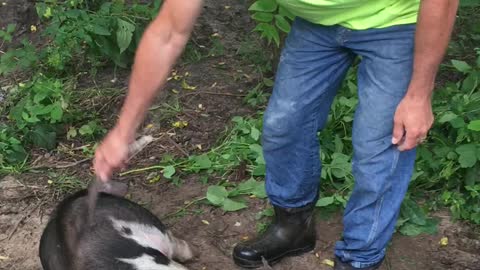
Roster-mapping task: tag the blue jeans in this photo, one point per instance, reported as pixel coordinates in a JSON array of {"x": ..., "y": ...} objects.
[{"x": 311, "y": 68}]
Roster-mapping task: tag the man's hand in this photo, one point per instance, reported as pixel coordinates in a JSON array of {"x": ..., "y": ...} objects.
[
  {"x": 413, "y": 119},
  {"x": 111, "y": 155}
]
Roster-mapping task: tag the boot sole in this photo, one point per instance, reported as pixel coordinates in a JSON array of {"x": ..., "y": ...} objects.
[{"x": 256, "y": 264}]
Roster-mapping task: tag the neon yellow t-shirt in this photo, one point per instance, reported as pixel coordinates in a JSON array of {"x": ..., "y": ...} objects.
[{"x": 355, "y": 14}]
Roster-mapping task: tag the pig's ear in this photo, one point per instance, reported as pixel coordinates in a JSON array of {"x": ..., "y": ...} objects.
[{"x": 115, "y": 188}]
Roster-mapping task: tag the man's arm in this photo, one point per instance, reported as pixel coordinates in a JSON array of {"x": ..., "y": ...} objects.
[
  {"x": 162, "y": 43},
  {"x": 414, "y": 116}
]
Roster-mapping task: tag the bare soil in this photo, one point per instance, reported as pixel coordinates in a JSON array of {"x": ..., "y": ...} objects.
[{"x": 26, "y": 200}]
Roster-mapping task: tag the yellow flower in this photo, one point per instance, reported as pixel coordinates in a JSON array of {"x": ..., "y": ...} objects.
[{"x": 33, "y": 28}]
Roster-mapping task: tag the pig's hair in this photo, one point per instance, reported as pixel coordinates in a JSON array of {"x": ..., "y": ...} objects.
[{"x": 70, "y": 242}]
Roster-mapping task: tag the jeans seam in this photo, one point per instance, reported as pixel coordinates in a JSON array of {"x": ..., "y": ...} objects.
[
  {"x": 312, "y": 153},
  {"x": 373, "y": 231},
  {"x": 396, "y": 156}
]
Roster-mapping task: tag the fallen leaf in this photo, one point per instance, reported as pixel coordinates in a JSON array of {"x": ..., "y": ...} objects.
[
  {"x": 205, "y": 222},
  {"x": 444, "y": 241},
  {"x": 149, "y": 126},
  {"x": 4, "y": 258},
  {"x": 180, "y": 124},
  {"x": 328, "y": 262},
  {"x": 33, "y": 28},
  {"x": 237, "y": 224},
  {"x": 186, "y": 86}
]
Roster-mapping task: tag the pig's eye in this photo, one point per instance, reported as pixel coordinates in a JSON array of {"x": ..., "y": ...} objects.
[{"x": 126, "y": 230}]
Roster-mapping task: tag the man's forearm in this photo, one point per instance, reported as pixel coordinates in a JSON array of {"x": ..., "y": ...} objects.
[
  {"x": 435, "y": 23},
  {"x": 161, "y": 45},
  {"x": 155, "y": 57}
]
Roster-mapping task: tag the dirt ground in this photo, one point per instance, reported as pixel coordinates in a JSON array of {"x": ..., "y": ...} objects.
[{"x": 26, "y": 200}]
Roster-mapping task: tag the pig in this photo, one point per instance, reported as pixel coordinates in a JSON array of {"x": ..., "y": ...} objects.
[{"x": 119, "y": 235}]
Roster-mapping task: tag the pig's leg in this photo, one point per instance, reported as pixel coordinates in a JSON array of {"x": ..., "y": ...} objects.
[{"x": 181, "y": 249}]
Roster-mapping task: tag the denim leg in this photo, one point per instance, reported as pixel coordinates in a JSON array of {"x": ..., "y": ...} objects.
[
  {"x": 382, "y": 173},
  {"x": 312, "y": 65}
]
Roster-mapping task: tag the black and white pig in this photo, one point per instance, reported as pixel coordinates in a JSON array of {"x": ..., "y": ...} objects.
[{"x": 122, "y": 236}]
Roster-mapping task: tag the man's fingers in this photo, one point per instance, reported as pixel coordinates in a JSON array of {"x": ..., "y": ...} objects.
[
  {"x": 410, "y": 142},
  {"x": 398, "y": 132},
  {"x": 102, "y": 168}
]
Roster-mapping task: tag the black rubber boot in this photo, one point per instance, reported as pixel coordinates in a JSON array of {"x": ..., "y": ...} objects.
[
  {"x": 339, "y": 265},
  {"x": 292, "y": 233}
]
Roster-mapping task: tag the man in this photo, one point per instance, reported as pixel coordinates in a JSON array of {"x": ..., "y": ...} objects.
[{"x": 401, "y": 44}]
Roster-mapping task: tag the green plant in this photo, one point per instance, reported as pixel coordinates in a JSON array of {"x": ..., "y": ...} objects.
[
  {"x": 80, "y": 33},
  {"x": 38, "y": 113},
  {"x": 11, "y": 149},
  {"x": 219, "y": 196},
  {"x": 449, "y": 164},
  {"x": 271, "y": 18},
  {"x": 6, "y": 35},
  {"x": 257, "y": 96}
]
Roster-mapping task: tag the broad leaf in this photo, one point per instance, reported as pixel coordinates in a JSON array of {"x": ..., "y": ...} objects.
[
  {"x": 468, "y": 155},
  {"x": 255, "y": 133},
  {"x": 269, "y": 32},
  {"x": 168, "y": 172},
  {"x": 246, "y": 187},
  {"x": 474, "y": 125},
  {"x": 43, "y": 137},
  {"x": 124, "y": 34},
  {"x": 260, "y": 191},
  {"x": 461, "y": 66},
  {"x": 264, "y": 6},
  {"x": 230, "y": 205},
  {"x": 325, "y": 201},
  {"x": 286, "y": 13},
  {"x": 262, "y": 17},
  {"x": 202, "y": 162},
  {"x": 282, "y": 23},
  {"x": 11, "y": 28},
  {"x": 216, "y": 195},
  {"x": 100, "y": 30},
  {"x": 85, "y": 130},
  {"x": 259, "y": 170},
  {"x": 447, "y": 117},
  {"x": 56, "y": 113},
  {"x": 413, "y": 212},
  {"x": 411, "y": 229}
]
